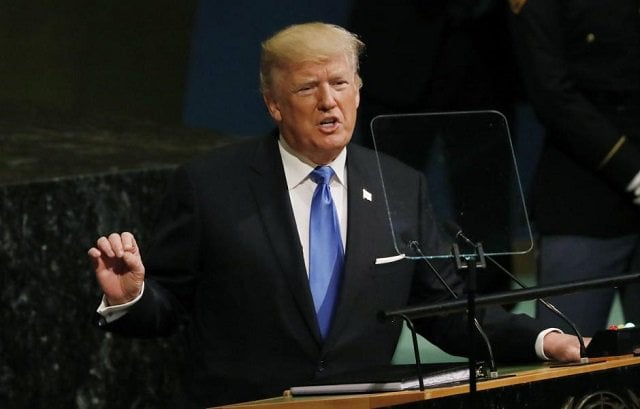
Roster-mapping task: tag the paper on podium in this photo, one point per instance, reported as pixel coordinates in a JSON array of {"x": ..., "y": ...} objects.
[{"x": 392, "y": 378}]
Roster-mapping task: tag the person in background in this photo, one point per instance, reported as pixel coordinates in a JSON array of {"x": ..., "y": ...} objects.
[
  {"x": 580, "y": 62},
  {"x": 443, "y": 56},
  {"x": 271, "y": 297}
]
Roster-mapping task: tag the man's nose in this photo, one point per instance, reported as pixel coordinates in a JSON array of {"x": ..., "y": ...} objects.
[{"x": 326, "y": 98}]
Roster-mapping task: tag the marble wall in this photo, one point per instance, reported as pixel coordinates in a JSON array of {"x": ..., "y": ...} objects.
[{"x": 51, "y": 353}]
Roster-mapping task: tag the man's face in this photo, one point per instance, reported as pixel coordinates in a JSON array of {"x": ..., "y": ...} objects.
[{"x": 314, "y": 105}]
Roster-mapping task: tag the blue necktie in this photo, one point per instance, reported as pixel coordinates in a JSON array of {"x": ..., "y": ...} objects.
[{"x": 326, "y": 253}]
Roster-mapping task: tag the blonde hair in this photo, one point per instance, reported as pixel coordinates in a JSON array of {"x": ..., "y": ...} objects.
[{"x": 314, "y": 42}]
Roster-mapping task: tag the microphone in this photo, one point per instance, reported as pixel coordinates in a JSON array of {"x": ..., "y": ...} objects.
[
  {"x": 493, "y": 371},
  {"x": 456, "y": 232}
]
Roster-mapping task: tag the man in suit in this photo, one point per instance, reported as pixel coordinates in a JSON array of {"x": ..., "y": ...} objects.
[
  {"x": 581, "y": 65},
  {"x": 233, "y": 250}
]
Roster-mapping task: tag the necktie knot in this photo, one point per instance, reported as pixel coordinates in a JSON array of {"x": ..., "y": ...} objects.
[{"x": 322, "y": 175}]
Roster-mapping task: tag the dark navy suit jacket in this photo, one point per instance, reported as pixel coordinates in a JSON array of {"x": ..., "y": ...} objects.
[{"x": 226, "y": 255}]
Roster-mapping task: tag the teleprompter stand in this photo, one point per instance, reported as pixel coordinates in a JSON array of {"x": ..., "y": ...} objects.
[{"x": 468, "y": 265}]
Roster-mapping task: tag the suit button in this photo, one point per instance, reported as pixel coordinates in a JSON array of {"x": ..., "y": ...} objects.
[
  {"x": 102, "y": 321},
  {"x": 321, "y": 365},
  {"x": 590, "y": 38}
]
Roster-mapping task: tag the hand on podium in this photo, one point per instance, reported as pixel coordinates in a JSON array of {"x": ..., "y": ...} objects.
[
  {"x": 563, "y": 347},
  {"x": 118, "y": 265}
]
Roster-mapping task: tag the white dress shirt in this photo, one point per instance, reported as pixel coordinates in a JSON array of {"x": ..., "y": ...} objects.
[{"x": 301, "y": 188}]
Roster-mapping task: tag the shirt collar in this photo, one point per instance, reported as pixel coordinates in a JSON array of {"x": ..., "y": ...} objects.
[{"x": 297, "y": 168}]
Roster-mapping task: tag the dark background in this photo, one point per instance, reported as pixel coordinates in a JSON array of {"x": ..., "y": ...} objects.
[
  {"x": 96, "y": 57},
  {"x": 188, "y": 62}
]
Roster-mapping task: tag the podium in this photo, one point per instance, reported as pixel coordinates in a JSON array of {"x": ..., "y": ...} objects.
[{"x": 612, "y": 382}]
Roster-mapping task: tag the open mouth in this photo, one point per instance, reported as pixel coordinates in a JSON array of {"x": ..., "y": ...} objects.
[{"x": 329, "y": 123}]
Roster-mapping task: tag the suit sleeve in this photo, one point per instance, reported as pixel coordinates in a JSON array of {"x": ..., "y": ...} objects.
[
  {"x": 171, "y": 263},
  {"x": 512, "y": 336}
]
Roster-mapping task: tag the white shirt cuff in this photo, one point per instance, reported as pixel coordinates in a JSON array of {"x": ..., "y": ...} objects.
[
  {"x": 634, "y": 185},
  {"x": 113, "y": 312},
  {"x": 540, "y": 342}
]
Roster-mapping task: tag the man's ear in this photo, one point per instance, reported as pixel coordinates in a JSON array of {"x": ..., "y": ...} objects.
[{"x": 273, "y": 107}]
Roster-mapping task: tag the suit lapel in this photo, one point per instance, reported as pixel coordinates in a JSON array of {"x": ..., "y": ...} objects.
[
  {"x": 367, "y": 214},
  {"x": 270, "y": 189},
  {"x": 366, "y": 225}
]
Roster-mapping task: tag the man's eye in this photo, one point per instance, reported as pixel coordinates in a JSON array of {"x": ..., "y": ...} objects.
[{"x": 304, "y": 89}]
